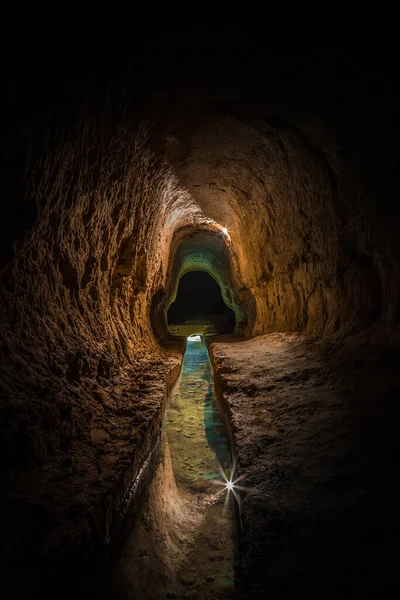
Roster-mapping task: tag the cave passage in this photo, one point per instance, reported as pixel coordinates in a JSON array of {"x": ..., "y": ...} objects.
[
  {"x": 199, "y": 304},
  {"x": 146, "y": 196},
  {"x": 185, "y": 537}
]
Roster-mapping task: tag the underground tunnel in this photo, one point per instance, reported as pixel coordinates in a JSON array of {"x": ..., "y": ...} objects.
[{"x": 199, "y": 333}]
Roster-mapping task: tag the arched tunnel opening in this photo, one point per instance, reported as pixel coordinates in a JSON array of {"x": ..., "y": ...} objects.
[
  {"x": 199, "y": 306},
  {"x": 254, "y": 194}
]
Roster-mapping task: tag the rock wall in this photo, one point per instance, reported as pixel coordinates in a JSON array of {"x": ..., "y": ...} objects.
[
  {"x": 304, "y": 245},
  {"x": 99, "y": 179},
  {"x": 83, "y": 379}
]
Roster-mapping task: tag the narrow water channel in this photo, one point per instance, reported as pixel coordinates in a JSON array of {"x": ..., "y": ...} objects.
[{"x": 182, "y": 542}]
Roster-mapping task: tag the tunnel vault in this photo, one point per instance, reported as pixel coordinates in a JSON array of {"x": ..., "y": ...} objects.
[{"x": 207, "y": 250}]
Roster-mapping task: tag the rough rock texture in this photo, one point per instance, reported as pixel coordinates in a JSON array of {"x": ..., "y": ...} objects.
[
  {"x": 300, "y": 238},
  {"x": 83, "y": 380},
  {"x": 315, "y": 430},
  {"x": 102, "y": 175}
]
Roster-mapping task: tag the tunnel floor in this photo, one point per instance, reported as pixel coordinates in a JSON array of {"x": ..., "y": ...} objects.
[
  {"x": 315, "y": 431},
  {"x": 182, "y": 543}
]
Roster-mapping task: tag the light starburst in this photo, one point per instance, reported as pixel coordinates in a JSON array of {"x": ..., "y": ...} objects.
[{"x": 230, "y": 484}]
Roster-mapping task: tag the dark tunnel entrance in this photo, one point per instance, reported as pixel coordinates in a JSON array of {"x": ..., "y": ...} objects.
[{"x": 199, "y": 303}]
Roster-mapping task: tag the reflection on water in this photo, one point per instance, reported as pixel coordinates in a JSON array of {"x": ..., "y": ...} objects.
[
  {"x": 199, "y": 447},
  {"x": 197, "y": 386},
  {"x": 182, "y": 544},
  {"x": 194, "y": 415}
]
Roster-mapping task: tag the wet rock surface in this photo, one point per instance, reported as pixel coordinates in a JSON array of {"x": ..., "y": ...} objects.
[{"x": 315, "y": 432}]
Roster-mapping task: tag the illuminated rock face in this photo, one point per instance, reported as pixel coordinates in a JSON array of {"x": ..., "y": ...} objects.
[
  {"x": 114, "y": 208},
  {"x": 283, "y": 191}
]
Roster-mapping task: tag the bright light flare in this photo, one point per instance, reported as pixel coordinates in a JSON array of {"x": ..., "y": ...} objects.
[
  {"x": 195, "y": 337},
  {"x": 230, "y": 484},
  {"x": 224, "y": 231}
]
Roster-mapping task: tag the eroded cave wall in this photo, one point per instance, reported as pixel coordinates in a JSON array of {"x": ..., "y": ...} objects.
[
  {"x": 304, "y": 213},
  {"x": 306, "y": 188},
  {"x": 76, "y": 294},
  {"x": 83, "y": 380},
  {"x": 307, "y": 198}
]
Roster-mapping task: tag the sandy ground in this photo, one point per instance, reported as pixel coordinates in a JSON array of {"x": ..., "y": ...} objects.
[{"x": 315, "y": 428}]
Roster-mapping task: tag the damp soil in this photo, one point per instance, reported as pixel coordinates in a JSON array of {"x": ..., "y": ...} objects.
[{"x": 182, "y": 544}]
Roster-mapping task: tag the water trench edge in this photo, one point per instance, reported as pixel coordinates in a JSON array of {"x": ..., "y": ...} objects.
[{"x": 196, "y": 524}]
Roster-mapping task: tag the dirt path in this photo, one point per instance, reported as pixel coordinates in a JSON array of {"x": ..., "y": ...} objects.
[{"x": 181, "y": 545}]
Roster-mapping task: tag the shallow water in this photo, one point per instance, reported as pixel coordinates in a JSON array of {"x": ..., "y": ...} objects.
[
  {"x": 193, "y": 426},
  {"x": 182, "y": 543}
]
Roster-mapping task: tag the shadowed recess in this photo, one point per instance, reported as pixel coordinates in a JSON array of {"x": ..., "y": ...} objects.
[{"x": 199, "y": 301}]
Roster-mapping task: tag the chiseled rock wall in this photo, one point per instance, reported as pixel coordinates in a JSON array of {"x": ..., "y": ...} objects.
[
  {"x": 310, "y": 228},
  {"x": 83, "y": 381},
  {"x": 95, "y": 197}
]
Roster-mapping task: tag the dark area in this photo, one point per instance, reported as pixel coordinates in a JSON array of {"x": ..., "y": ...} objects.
[{"x": 199, "y": 299}]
